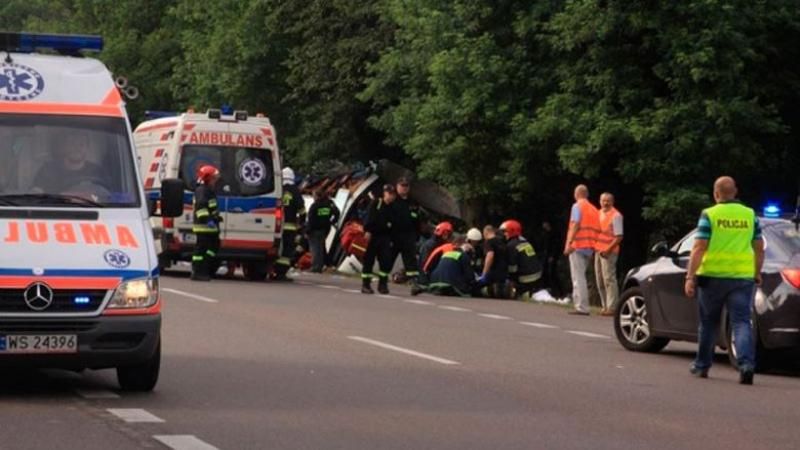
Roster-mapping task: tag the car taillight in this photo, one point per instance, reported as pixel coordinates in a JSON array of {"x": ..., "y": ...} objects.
[
  {"x": 792, "y": 276},
  {"x": 278, "y": 216},
  {"x": 168, "y": 222}
]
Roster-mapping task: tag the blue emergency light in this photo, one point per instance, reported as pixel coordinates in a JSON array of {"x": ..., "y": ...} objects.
[
  {"x": 82, "y": 300},
  {"x": 66, "y": 43},
  {"x": 772, "y": 211}
]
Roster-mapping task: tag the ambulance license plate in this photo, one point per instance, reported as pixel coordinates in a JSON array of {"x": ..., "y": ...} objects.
[
  {"x": 39, "y": 343},
  {"x": 189, "y": 238}
]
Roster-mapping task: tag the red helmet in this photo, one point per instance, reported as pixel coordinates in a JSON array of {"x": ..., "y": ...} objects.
[
  {"x": 206, "y": 173},
  {"x": 512, "y": 228},
  {"x": 443, "y": 229}
]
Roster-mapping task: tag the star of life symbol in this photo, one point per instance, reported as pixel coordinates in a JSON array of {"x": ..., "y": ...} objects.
[
  {"x": 18, "y": 82},
  {"x": 117, "y": 258},
  {"x": 252, "y": 172}
]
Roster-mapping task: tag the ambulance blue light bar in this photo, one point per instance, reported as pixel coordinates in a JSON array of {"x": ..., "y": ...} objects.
[
  {"x": 772, "y": 211},
  {"x": 28, "y": 42}
]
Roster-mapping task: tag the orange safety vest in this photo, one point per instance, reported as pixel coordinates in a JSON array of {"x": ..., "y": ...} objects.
[
  {"x": 436, "y": 253},
  {"x": 588, "y": 228},
  {"x": 606, "y": 235}
]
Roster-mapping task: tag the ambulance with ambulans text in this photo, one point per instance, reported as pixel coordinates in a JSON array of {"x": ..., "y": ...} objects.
[
  {"x": 245, "y": 150},
  {"x": 78, "y": 268}
]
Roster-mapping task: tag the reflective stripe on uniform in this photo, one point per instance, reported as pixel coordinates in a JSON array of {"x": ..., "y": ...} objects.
[
  {"x": 366, "y": 276},
  {"x": 290, "y": 227},
  {"x": 204, "y": 229},
  {"x": 412, "y": 273},
  {"x": 530, "y": 278},
  {"x": 198, "y": 258},
  {"x": 283, "y": 262}
]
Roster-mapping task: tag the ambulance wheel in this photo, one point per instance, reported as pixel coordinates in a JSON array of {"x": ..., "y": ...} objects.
[
  {"x": 141, "y": 377},
  {"x": 255, "y": 271}
]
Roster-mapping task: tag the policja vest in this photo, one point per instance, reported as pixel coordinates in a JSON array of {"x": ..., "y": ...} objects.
[
  {"x": 730, "y": 250},
  {"x": 588, "y": 227},
  {"x": 606, "y": 235}
]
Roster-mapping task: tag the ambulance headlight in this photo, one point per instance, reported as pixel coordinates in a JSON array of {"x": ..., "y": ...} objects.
[{"x": 141, "y": 293}]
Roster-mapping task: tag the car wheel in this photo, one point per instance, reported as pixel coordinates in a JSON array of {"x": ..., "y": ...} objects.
[
  {"x": 255, "y": 271},
  {"x": 762, "y": 355},
  {"x": 141, "y": 377},
  {"x": 631, "y": 324}
]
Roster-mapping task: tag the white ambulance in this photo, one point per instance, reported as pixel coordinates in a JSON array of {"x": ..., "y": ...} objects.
[
  {"x": 78, "y": 267},
  {"x": 245, "y": 151}
]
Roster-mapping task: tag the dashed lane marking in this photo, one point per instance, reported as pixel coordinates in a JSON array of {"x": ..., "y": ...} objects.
[
  {"x": 538, "y": 325},
  {"x": 98, "y": 394},
  {"x": 352, "y": 291},
  {"x": 327, "y": 286},
  {"x": 135, "y": 415},
  {"x": 418, "y": 302},
  {"x": 406, "y": 351},
  {"x": 392, "y": 297},
  {"x": 587, "y": 334},
  {"x": 495, "y": 316},
  {"x": 190, "y": 295},
  {"x": 454, "y": 308},
  {"x": 183, "y": 442}
]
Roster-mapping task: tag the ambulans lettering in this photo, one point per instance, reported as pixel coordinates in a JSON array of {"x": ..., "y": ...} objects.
[
  {"x": 218, "y": 138},
  {"x": 18, "y": 82},
  {"x": 39, "y": 232}
]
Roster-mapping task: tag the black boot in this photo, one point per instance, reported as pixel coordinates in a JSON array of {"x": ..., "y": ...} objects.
[
  {"x": 383, "y": 285},
  {"x": 365, "y": 286},
  {"x": 200, "y": 271}
]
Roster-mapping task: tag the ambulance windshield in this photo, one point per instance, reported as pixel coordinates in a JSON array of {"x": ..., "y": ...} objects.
[
  {"x": 66, "y": 161},
  {"x": 247, "y": 171}
]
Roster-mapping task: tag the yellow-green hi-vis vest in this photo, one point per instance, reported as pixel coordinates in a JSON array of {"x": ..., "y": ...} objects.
[{"x": 730, "y": 250}]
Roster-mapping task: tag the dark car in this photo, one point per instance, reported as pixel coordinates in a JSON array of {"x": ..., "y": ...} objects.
[{"x": 654, "y": 310}]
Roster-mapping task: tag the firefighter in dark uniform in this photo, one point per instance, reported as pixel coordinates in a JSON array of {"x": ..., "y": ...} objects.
[
  {"x": 378, "y": 227},
  {"x": 206, "y": 223},
  {"x": 405, "y": 229},
  {"x": 294, "y": 212},
  {"x": 524, "y": 267}
]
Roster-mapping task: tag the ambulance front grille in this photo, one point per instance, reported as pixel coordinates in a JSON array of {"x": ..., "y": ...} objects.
[{"x": 64, "y": 301}]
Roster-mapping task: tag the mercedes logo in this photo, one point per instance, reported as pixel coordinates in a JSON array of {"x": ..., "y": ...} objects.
[{"x": 38, "y": 296}]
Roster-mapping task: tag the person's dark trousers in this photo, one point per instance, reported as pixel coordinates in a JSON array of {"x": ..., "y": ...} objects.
[
  {"x": 288, "y": 253},
  {"x": 205, "y": 255},
  {"x": 527, "y": 288},
  {"x": 316, "y": 240},
  {"x": 405, "y": 244},
  {"x": 380, "y": 249},
  {"x": 737, "y": 297}
]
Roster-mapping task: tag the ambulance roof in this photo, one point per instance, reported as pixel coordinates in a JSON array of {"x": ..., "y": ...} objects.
[{"x": 38, "y": 78}]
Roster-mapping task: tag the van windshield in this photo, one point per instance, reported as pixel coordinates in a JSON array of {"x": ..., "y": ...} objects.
[
  {"x": 66, "y": 161},
  {"x": 247, "y": 171}
]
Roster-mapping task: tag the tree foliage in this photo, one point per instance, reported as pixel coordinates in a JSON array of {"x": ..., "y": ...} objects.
[{"x": 509, "y": 103}]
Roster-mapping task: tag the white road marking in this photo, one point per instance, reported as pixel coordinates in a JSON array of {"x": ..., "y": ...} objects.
[
  {"x": 352, "y": 291},
  {"x": 183, "y": 442},
  {"x": 190, "y": 295},
  {"x": 495, "y": 316},
  {"x": 96, "y": 394},
  {"x": 587, "y": 334},
  {"x": 403, "y": 350},
  {"x": 538, "y": 325},
  {"x": 455, "y": 308},
  {"x": 327, "y": 286},
  {"x": 393, "y": 297},
  {"x": 418, "y": 302},
  {"x": 134, "y": 415}
]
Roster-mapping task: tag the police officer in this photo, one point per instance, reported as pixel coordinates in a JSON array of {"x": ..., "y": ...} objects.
[
  {"x": 724, "y": 269},
  {"x": 294, "y": 212},
  {"x": 322, "y": 214},
  {"x": 378, "y": 228},
  {"x": 524, "y": 268},
  {"x": 206, "y": 223},
  {"x": 405, "y": 228}
]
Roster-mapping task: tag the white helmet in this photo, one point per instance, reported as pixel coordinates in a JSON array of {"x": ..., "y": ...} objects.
[
  {"x": 288, "y": 175},
  {"x": 474, "y": 234}
]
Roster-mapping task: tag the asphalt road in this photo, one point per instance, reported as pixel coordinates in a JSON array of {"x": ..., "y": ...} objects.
[{"x": 316, "y": 365}]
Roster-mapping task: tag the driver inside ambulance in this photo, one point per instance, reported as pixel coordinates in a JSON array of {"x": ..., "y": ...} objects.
[{"x": 69, "y": 167}]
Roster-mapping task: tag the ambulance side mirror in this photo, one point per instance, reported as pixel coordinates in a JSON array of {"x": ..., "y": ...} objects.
[{"x": 171, "y": 197}]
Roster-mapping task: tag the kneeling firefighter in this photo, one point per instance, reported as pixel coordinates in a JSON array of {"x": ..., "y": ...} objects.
[
  {"x": 453, "y": 275},
  {"x": 524, "y": 267},
  {"x": 206, "y": 223}
]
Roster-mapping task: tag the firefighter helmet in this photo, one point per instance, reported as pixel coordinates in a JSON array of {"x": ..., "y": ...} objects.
[
  {"x": 512, "y": 229},
  {"x": 206, "y": 173},
  {"x": 443, "y": 229}
]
